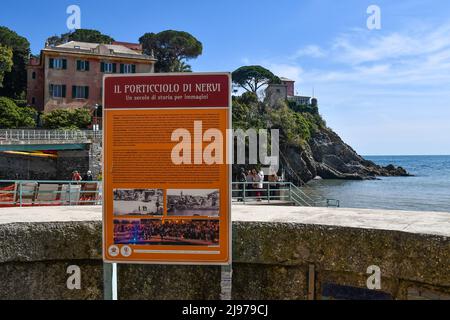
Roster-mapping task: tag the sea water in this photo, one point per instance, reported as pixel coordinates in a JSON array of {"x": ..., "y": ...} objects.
[{"x": 427, "y": 190}]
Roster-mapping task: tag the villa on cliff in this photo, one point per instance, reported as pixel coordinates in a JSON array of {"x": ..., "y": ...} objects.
[
  {"x": 69, "y": 76},
  {"x": 285, "y": 91}
]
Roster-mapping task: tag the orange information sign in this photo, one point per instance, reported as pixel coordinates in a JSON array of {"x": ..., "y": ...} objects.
[{"x": 166, "y": 168}]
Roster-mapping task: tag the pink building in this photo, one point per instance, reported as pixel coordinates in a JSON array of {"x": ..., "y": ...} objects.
[
  {"x": 289, "y": 86},
  {"x": 70, "y": 75}
]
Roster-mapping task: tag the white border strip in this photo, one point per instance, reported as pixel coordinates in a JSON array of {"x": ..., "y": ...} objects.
[
  {"x": 168, "y": 108},
  {"x": 175, "y": 251}
]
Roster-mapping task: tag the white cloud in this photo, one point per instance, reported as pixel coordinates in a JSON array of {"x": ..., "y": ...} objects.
[
  {"x": 391, "y": 86},
  {"x": 312, "y": 51},
  {"x": 286, "y": 70}
]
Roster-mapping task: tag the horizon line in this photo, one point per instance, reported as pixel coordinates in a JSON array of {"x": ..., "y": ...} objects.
[{"x": 406, "y": 155}]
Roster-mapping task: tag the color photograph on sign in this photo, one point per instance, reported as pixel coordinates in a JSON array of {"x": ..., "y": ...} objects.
[{"x": 167, "y": 175}]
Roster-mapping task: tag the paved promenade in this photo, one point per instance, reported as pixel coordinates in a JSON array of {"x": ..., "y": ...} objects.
[{"x": 433, "y": 223}]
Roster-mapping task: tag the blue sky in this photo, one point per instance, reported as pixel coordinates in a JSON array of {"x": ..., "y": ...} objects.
[{"x": 384, "y": 91}]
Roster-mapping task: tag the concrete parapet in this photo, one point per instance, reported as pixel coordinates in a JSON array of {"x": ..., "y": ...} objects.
[{"x": 275, "y": 250}]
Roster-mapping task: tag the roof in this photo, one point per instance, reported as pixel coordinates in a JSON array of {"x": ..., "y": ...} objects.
[
  {"x": 99, "y": 49},
  {"x": 130, "y": 45},
  {"x": 286, "y": 79},
  {"x": 89, "y": 46}
]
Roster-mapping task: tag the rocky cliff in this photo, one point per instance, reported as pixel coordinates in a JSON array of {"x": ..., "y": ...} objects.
[{"x": 325, "y": 155}]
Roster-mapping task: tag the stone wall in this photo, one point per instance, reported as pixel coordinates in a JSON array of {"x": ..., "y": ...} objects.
[
  {"x": 95, "y": 158},
  {"x": 70, "y": 160},
  {"x": 25, "y": 167},
  {"x": 272, "y": 260}
]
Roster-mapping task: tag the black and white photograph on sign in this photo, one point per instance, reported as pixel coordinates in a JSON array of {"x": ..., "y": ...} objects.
[
  {"x": 193, "y": 202},
  {"x": 138, "y": 202},
  {"x": 168, "y": 232}
]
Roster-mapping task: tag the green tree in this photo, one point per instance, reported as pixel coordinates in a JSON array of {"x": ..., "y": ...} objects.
[
  {"x": 181, "y": 66},
  {"x": 15, "y": 81},
  {"x": 252, "y": 78},
  {"x": 247, "y": 112},
  {"x": 6, "y": 62},
  {"x": 81, "y": 118},
  {"x": 82, "y": 35},
  {"x": 171, "y": 48},
  {"x": 13, "y": 117},
  {"x": 67, "y": 119}
]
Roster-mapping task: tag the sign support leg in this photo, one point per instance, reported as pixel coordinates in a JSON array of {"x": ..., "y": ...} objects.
[
  {"x": 226, "y": 279},
  {"x": 110, "y": 281}
]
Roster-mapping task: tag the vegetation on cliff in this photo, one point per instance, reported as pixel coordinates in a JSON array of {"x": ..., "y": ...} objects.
[
  {"x": 296, "y": 127},
  {"x": 308, "y": 148}
]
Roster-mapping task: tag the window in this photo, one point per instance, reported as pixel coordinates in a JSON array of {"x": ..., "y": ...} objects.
[
  {"x": 127, "y": 68},
  {"x": 33, "y": 75},
  {"x": 57, "y": 91},
  {"x": 108, "y": 67},
  {"x": 33, "y": 101},
  {"x": 80, "y": 92},
  {"x": 82, "y": 65},
  {"x": 58, "y": 64}
]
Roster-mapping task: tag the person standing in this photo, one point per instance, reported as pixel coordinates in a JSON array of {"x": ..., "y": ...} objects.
[
  {"x": 256, "y": 180},
  {"x": 250, "y": 180},
  {"x": 260, "y": 184},
  {"x": 242, "y": 180},
  {"x": 273, "y": 179},
  {"x": 76, "y": 176},
  {"x": 88, "y": 176}
]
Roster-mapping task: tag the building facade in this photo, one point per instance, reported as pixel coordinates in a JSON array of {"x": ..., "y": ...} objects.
[
  {"x": 70, "y": 75},
  {"x": 276, "y": 92}
]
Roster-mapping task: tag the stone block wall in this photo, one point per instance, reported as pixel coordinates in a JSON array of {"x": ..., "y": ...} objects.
[{"x": 271, "y": 261}]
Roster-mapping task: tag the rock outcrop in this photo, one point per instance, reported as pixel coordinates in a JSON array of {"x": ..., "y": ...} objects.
[{"x": 325, "y": 155}]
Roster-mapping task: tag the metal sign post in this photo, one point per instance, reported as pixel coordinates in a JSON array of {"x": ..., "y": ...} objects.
[
  {"x": 226, "y": 282},
  {"x": 110, "y": 281}
]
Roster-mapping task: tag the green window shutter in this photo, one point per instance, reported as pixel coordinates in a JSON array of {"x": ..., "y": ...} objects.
[
  {"x": 63, "y": 90},
  {"x": 50, "y": 90},
  {"x": 86, "y": 65},
  {"x": 51, "y": 63},
  {"x": 74, "y": 92},
  {"x": 102, "y": 67},
  {"x": 78, "y": 65},
  {"x": 133, "y": 68},
  {"x": 86, "y": 92},
  {"x": 114, "y": 68},
  {"x": 122, "y": 68},
  {"x": 64, "y": 62}
]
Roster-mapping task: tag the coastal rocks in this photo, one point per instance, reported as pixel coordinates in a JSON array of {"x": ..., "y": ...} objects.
[
  {"x": 396, "y": 171},
  {"x": 327, "y": 156}
]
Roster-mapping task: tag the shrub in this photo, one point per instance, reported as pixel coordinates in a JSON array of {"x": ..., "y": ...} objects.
[
  {"x": 13, "y": 117},
  {"x": 67, "y": 119}
]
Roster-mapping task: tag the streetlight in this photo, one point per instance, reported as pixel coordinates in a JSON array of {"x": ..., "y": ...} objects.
[{"x": 96, "y": 127}]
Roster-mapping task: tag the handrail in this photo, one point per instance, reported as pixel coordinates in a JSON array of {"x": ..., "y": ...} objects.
[
  {"x": 20, "y": 193},
  {"x": 39, "y": 134},
  {"x": 62, "y": 193},
  {"x": 282, "y": 191}
]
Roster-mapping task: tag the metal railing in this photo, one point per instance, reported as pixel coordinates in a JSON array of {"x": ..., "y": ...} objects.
[
  {"x": 271, "y": 192},
  {"x": 24, "y": 136},
  {"x": 24, "y": 193},
  {"x": 49, "y": 193}
]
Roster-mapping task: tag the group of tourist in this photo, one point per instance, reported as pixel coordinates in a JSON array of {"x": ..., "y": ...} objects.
[
  {"x": 253, "y": 181},
  {"x": 76, "y": 176}
]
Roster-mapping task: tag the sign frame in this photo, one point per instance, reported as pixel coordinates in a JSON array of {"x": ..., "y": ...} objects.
[{"x": 228, "y": 162}]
